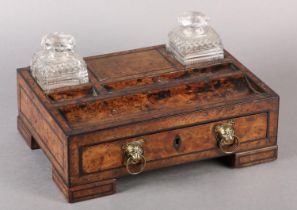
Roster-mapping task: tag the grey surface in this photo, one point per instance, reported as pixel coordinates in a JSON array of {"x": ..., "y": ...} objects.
[{"x": 261, "y": 34}]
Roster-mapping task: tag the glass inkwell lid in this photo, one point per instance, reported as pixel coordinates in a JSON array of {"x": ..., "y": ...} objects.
[
  {"x": 195, "y": 41},
  {"x": 57, "y": 65}
]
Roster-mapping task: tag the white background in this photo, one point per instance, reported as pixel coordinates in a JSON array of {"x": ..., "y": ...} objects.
[{"x": 261, "y": 34}]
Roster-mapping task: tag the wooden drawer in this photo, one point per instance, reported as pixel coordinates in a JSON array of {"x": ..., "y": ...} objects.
[{"x": 169, "y": 144}]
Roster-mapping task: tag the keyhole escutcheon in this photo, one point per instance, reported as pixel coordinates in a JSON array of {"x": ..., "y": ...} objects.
[{"x": 177, "y": 142}]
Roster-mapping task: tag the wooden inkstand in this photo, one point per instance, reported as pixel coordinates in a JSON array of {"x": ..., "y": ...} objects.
[{"x": 142, "y": 110}]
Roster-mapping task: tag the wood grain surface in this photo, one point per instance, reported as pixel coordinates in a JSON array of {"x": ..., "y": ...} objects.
[{"x": 145, "y": 94}]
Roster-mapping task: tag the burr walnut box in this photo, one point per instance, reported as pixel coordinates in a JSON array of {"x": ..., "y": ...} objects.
[{"x": 142, "y": 110}]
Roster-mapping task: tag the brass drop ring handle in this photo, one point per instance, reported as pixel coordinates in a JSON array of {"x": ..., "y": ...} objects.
[
  {"x": 129, "y": 163},
  {"x": 229, "y": 148},
  {"x": 228, "y": 142},
  {"x": 134, "y": 157}
]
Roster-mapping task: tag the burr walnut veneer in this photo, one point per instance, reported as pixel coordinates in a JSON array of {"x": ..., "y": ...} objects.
[{"x": 171, "y": 114}]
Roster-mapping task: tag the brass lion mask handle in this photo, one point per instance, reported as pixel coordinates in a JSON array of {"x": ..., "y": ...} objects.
[
  {"x": 134, "y": 157},
  {"x": 228, "y": 142}
]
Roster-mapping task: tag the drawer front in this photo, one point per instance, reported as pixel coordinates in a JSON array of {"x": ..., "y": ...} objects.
[{"x": 169, "y": 144}]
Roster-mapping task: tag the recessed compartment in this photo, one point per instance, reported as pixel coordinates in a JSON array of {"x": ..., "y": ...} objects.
[
  {"x": 176, "y": 98},
  {"x": 172, "y": 76},
  {"x": 72, "y": 93}
]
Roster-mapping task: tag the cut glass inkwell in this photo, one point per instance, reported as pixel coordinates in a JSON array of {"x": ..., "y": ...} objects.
[
  {"x": 57, "y": 65},
  {"x": 195, "y": 41}
]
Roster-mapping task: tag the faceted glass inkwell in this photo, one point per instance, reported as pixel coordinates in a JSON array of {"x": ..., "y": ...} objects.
[
  {"x": 57, "y": 65},
  {"x": 194, "y": 41}
]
